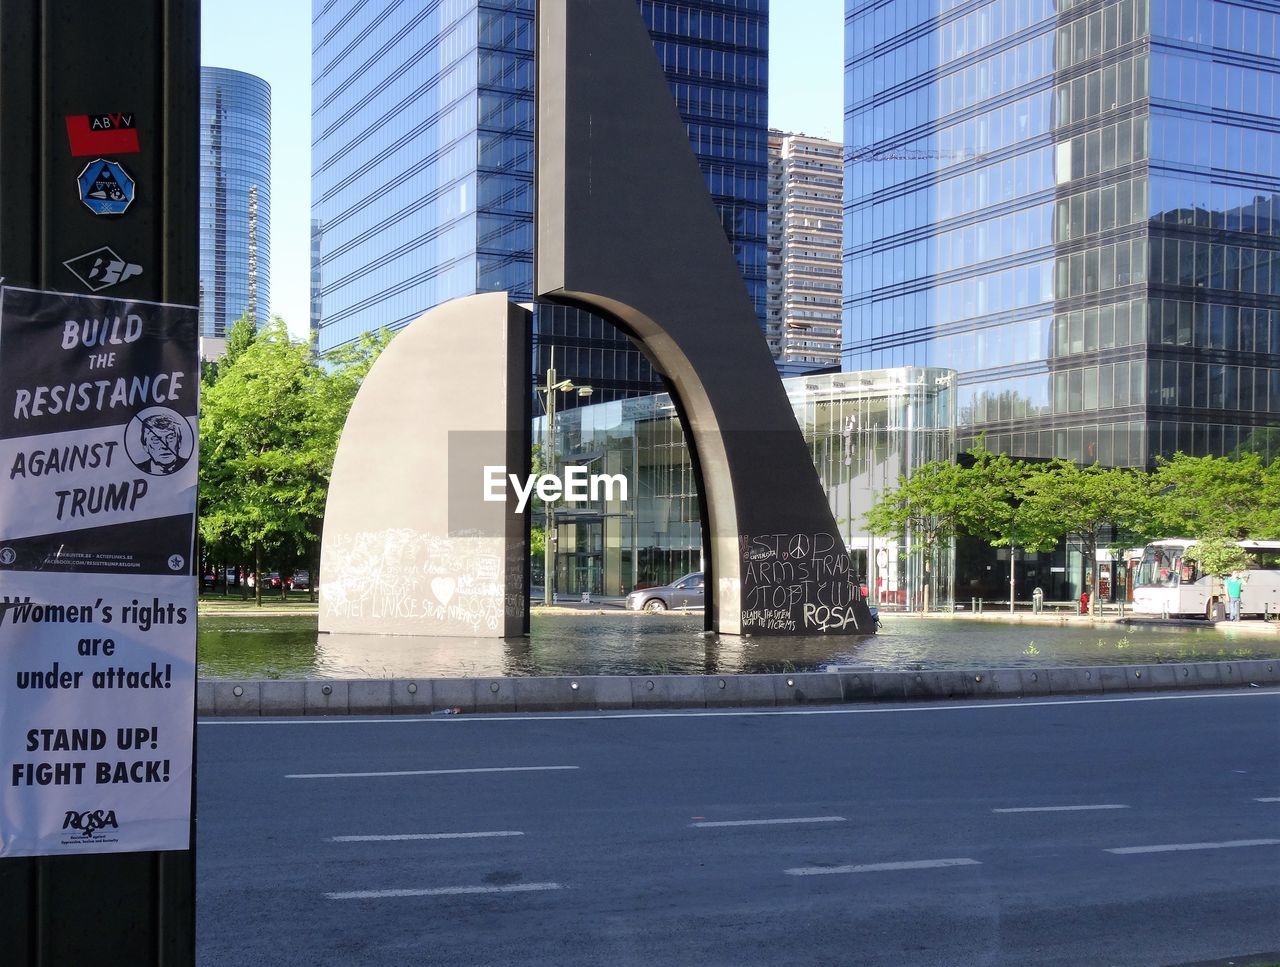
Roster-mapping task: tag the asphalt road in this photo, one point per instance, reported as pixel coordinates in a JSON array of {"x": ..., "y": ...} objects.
[{"x": 864, "y": 835}]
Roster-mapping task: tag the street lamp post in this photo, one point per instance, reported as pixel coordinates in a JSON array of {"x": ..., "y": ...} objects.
[{"x": 549, "y": 389}]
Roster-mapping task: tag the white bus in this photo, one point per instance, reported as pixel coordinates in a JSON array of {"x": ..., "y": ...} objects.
[{"x": 1168, "y": 584}]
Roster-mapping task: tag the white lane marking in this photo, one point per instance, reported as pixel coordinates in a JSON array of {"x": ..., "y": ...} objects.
[
  {"x": 403, "y": 837},
  {"x": 424, "y": 772},
  {"x": 880, "y": 867},
  {"x": 444, "y": 891},
  {"x": 1181, "y": 847},
  {"x": 770, "y": 822},
  {"x": 1058, "y": 809},
  {"x": 1268, "y": 799},
  {"x": 603, "y": 716}
]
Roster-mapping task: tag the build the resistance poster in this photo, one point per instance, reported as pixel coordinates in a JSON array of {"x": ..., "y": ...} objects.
[{"x": 98, "y": 406}]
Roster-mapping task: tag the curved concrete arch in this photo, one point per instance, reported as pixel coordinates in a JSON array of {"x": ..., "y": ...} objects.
[
  {"x": 411, "y": 546},
  {"x": 626, "y": 228}
]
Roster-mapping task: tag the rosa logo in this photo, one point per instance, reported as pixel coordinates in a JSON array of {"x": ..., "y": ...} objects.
[
  {"x": 90, "y": 821},
  {"x": 8, "y": 555}
]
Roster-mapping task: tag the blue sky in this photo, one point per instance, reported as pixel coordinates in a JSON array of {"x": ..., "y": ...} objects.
[{"x": 273, "y": 40}]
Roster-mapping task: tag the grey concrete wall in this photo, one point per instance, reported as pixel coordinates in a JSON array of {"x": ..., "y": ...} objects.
[
  {"x": 410, "y": 545},
  {"x": 596, "y": 692}
]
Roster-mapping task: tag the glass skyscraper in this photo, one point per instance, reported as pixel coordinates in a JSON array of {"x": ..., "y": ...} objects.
[
  {"x": 422, "y": 182},
  {"x": 235, "y": 199},
  {"x": 1077, "y": 206}
]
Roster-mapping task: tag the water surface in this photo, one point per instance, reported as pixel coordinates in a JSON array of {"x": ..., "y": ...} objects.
[{"x": 640, "y": 644}]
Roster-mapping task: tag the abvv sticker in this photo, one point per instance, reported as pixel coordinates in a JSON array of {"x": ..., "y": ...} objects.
[{"x": 112, "y": 133}]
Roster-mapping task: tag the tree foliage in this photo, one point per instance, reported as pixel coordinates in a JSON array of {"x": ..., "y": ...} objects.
[
  {"x": 240, "y": 337},
  {"x": 1032, "y": 506},
  {"x": 1267, "y": 515},
  {"x": 1219, "y": 555},
  {"x": 271, "y": 417},
  {"x": 1204, "y": 496},
  {"x": 1001, "y": 513},
  {"x": 1085, "y": 503},
  {"x": 928, "y": 510}
]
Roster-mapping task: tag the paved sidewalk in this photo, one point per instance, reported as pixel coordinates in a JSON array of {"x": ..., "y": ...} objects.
[{"x": 1109, "y": 617}]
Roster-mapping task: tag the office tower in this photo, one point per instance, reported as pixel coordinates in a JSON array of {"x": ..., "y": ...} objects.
[
  {"x": 1076, "y": 205},
  {"x": 773, "y": 247},
  {"x": 235, "y": 199},
  {"x": 806, "y": 184},
  {"x": 422, "y": 161}
]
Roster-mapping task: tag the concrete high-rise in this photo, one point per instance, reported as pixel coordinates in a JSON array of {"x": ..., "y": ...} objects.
[
  {"x": 235, "y": 199},
  {"x": 1076, "y": 205},
  {"x": 806, "y": 183},
  {"x": 422, "y": 162}
]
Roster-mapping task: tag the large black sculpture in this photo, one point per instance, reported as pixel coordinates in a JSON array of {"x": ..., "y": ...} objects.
[{"x": 626, "y": 229}]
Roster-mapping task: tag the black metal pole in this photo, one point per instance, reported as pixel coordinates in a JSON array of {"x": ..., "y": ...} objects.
[{"x": 60, "y": 60}]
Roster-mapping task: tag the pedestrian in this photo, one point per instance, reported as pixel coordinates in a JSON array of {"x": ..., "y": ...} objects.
[{"x": 1235, "y": 586}]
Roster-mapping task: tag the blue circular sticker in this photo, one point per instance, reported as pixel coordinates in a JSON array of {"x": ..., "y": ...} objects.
[{"x": 105, "y": 187}]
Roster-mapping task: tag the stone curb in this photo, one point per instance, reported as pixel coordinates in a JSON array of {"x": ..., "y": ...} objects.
[{"x": 595, "y": 692}]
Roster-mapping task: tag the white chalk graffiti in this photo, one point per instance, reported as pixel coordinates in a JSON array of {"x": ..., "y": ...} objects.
[
  {"x": 402, "y": 576},
  {"x": 798, "y": 582}
]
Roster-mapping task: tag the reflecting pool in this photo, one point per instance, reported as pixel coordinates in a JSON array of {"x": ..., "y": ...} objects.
[{"x": 639, "y": 644}]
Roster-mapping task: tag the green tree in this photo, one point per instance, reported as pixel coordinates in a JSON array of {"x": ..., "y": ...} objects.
[
  {"x": 220, "y": 548},
  {"x": 1203, "y": 496},
  {"x": 1267, "y": 516},
  {"x": 240, "y": 337},
  {"x": 270, "y": 425},
  {"x": 1219, "y": 555},
  {"x": 342, "y": 373},
  {"x": 924, "y": 513},
  {"x": 1085, "y": 502},
  {"x": 249, "y": 424},
  {"x": 999, "y": 513}
]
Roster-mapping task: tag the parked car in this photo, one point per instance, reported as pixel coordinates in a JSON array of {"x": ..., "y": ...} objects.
[
  {"x": 687, "y": 592},
  {"x": 301, "y": 581},
  {"x": 271, "y": 581}
]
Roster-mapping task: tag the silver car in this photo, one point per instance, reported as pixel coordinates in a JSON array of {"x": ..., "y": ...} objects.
[{"x": 688, "y": 592}]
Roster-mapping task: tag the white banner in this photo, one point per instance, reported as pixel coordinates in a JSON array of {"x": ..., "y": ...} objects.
[
  {"x": 98, "y": 451},
  {"x": 91, "y": 478},
  {"x": 97, "y": 736}
]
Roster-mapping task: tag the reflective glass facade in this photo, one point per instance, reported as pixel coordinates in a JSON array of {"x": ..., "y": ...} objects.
[
  {"x": 422, "y": 140},
  {"x": 422, "y": 183},
  {"x": 863, "y": 431},
  {"x": 235, "y": 199},
  {"x": 1071, "y": 203}
]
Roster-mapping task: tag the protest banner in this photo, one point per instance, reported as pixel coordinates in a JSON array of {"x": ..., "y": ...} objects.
[{"x": 98, "y": 451}]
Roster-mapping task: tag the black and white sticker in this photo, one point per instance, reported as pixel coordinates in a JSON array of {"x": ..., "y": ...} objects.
[{"x": 101, "y": 269}]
